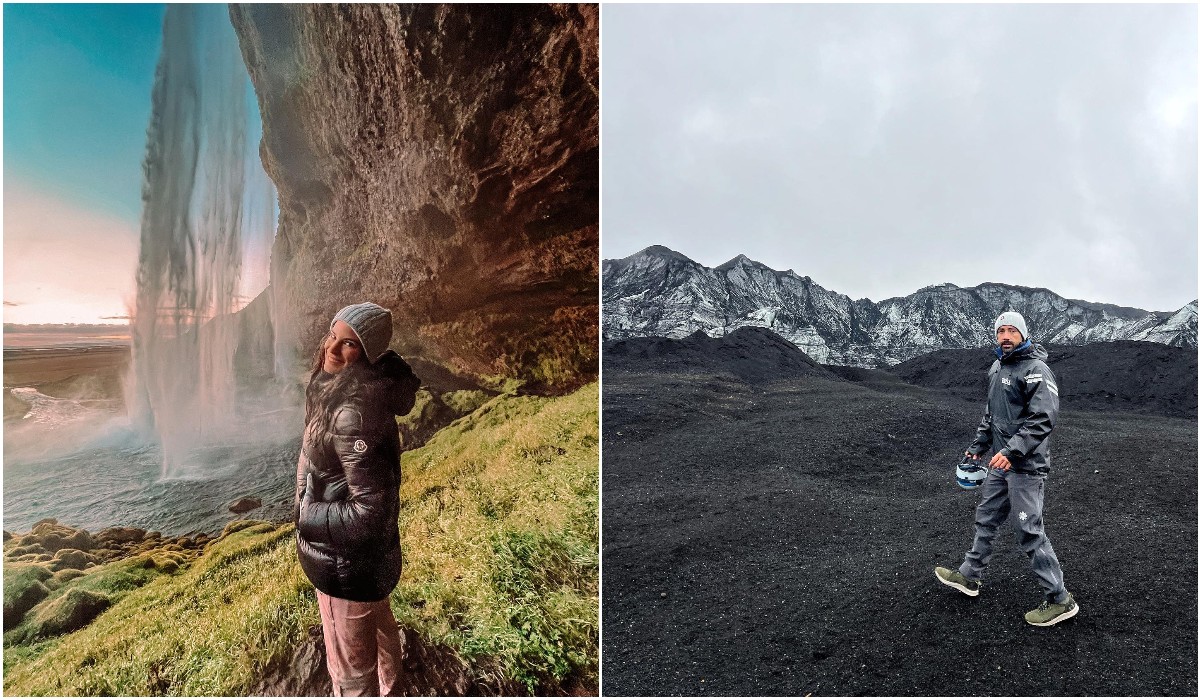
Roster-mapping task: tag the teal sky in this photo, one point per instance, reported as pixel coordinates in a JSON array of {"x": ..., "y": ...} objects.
[
  {"x": 77, "y": 95},
  {"x": 77, "y": 82}
]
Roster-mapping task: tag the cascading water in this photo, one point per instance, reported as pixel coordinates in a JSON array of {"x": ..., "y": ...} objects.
[
  {"x": 206, "y": 205},
  {"x": 190, "y": 445}
]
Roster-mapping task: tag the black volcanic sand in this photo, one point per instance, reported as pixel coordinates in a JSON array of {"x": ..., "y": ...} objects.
[{"x": 778, "y": 538}]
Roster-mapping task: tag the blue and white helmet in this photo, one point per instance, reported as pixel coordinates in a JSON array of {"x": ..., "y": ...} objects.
[{"x": 970, "y": 473}]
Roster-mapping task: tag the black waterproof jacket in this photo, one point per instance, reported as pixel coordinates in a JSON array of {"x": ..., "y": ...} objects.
[
  {"x": 1021, "y": 410},
  {"x": 347, "y": 501}
]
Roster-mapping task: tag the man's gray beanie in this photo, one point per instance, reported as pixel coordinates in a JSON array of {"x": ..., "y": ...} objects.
[
  {"x": 371, "y": 323},
  {"x": 1014, "y": 319}
]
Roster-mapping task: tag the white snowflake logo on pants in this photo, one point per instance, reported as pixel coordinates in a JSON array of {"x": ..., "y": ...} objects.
[{"x": 1023, "y": 516}]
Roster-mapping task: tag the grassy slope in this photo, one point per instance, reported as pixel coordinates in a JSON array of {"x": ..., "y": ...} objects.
[{"x": 500, "y": 531}]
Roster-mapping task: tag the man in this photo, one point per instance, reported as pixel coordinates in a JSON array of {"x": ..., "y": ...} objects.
[{"x": 1021, "y": 410}]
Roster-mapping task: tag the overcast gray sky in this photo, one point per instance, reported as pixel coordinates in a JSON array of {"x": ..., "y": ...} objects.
[{"x": 882, "y": 148}]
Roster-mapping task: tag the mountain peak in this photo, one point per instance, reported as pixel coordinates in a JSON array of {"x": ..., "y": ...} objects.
[
  {"x": 739, "y": 260},
  {"x": 943, "y": 287},
  {"x": 660, "y": 251}
]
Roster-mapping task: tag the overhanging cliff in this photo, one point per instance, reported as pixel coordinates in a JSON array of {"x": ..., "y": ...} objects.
[{"x": 441, "y": 161}]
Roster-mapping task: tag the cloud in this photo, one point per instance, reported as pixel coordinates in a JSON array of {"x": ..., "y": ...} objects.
[
  {"x": 880, "y": 149},
  {"x": 11, "y": 303},
  {"x": 66, "y": 263}
]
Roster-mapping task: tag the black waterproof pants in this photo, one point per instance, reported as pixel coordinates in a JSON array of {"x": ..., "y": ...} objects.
[{"x": 1017, "y": 498}]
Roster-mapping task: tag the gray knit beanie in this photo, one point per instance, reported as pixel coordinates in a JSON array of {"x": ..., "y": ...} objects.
[
  {"x": 1014, "y": 319},
  {"x": 371, "y": 323}
]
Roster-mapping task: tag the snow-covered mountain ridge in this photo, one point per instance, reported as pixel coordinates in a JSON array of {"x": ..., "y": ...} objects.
[{"x": 660, "y": 292}]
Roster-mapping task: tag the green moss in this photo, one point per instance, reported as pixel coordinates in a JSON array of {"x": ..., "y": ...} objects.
[
  {"x": 465, "y": 401},
  {"x": 23, "y": 589}
]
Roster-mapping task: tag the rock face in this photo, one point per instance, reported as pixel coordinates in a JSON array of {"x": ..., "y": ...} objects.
[
  {"x": 659, "y": 292},
  {"x": 441, "y": 161}
]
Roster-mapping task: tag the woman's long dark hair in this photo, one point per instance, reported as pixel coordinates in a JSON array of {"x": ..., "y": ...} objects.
[{"x": 388, "y": 384}]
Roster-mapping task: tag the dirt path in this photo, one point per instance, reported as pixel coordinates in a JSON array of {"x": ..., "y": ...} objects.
[{"x": 779, "y": 540}]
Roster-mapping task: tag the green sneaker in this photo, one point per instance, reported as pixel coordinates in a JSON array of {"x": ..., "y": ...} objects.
[
  {"x": 957, "y": 581},
  {"x": 1049, "y": 613}
]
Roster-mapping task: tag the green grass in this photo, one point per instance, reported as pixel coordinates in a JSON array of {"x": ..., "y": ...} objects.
[
  {"x": 500, "y": 535},
  {"x": 208, "y": 630}
]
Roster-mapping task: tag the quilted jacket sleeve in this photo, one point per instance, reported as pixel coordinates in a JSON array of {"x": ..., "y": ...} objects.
[{"x": 363, "y": 514}]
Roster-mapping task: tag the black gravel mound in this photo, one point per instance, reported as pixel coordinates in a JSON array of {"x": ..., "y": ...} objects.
[
  {"x": 1124, "y": 375},
  {"x": 750, "y": 354},
  {"x": 780, "y": 539}
]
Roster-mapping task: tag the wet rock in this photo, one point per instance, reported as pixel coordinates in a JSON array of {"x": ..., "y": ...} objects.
[
  {"x": 7, "y": 535},
  {"x": 449, "y": 156},
  {"x": 120, "y": 535},
  {"x": 245, "y": 505}
]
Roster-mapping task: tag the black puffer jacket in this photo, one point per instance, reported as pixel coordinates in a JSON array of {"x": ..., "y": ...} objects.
[
  {"x": 348, "y": 479},
  {"x": 1022, "y": 408}
]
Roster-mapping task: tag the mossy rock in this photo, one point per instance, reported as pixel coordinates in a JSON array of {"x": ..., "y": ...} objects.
[
  {"x": 166, "y": 565},
  {"x": 63, "y": 576},
  {"x": 68, "y": 612},
  {"x": 253, "y": 526},
  {"x": 23, "y": 550},
  {"x": 23, "y": 589},
  {"x": 52, "y": 537},
  {"x": 71, "y": 559},
  {"x": 432, "y": 412},
  {"x": 465, "y": 401}
]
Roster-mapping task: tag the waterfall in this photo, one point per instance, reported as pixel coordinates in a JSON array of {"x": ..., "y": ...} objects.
[{"x": 207, "y": 223}]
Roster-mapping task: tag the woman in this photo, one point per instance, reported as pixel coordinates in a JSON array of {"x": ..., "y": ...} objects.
[{"x": 348, "y": 496}]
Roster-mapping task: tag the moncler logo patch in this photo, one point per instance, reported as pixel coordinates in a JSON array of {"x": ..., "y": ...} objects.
[{"x": 360, "y": 446}]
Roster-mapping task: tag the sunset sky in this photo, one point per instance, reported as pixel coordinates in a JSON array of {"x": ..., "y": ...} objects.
[
  {"x": 77, "y": 83},
  {"x": 77, "y": 87}
]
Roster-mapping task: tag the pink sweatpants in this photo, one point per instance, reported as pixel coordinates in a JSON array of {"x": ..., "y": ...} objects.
[{"x": 362, "y": 646}]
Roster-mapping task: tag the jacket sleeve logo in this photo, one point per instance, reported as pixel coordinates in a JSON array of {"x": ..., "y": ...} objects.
[{"x": 360, "y": 446}]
